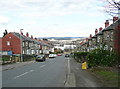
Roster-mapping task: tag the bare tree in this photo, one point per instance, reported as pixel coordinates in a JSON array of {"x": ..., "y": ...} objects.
[{"x": 113, "y": 7}]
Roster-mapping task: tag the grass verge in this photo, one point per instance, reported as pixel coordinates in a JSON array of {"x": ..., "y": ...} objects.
[{"x": 108, "y": 76}]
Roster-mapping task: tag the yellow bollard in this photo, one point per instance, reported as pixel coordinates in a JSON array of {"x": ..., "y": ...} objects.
[{"x": 84, "y": 65}]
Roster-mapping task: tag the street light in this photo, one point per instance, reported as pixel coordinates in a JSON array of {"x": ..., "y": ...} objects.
[{"x": 21, "y": 44}]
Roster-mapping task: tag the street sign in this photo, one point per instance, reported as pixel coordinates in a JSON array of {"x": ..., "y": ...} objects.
[{"x": 9, "y": 53}]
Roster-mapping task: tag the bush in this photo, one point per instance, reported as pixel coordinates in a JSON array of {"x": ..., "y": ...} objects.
[
  {"x": 28, "y": 57},
  {"x": 101, "y": 57},
  {"x": 5, "y": 57},
  {"x": 80, "y": 56}
]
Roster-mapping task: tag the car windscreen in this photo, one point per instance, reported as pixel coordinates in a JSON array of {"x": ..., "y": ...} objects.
[{"x": 40, "y": 56}]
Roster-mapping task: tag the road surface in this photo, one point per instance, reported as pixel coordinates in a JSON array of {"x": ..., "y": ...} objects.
[{"x": 51, "y": 73}]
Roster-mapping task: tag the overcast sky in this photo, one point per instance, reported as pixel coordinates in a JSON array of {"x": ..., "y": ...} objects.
[{"x": 52, "y": 18}]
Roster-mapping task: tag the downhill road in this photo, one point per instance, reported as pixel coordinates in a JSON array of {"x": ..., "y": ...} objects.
[{"x": 51, "y": 73}]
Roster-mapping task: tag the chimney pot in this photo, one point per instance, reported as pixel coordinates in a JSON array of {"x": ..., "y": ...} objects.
[
  {"x": 21, "y": 31},
  {"x": 96, "y": 31},
  {"x": 114, "y": 19},
  {"x": 86, "y": 39},
  {"x": 100, "y": 29},
  {"x": 27, "y": 34},
  {"x": 90, "y": 35},
  {"x": 35, "y": 38},
  {"x": 31, "y": 37},
  {"x": 106, "y": 23}
]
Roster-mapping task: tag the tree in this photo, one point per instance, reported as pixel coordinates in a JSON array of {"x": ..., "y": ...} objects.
[{"x": 113, "y": 7}]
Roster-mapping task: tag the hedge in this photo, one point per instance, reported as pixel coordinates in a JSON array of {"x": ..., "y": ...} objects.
[{"x": 80, "y": 56}]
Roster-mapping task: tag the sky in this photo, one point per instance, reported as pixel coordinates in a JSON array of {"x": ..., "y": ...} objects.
[{"x": 52, "y": 18}]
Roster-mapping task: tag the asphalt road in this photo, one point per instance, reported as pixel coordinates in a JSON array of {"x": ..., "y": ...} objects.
[{"x": 51, "y": 73}]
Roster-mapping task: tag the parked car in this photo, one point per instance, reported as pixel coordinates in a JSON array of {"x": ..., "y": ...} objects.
[
  {"x": 55, "y": 55},
  {"x": 40, "y": 58},
  {"x": 59, "y": 54},
  {"x": 67, "y": 55},
  {"x": 51, "y": 55}
]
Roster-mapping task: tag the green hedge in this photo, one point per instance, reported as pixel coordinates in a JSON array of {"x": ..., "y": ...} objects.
[
  {"x": 101, "y": 57},
  {"x": 80, "y": 56},
  {"x": 5, "y": 58},
  {"x": 28, "y": 57}
]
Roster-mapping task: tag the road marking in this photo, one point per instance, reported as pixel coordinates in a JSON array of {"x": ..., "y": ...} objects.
[
  {"x": 23, "y": 74},
  {"x": 20, "y": 75},
  {"x": 68, "y": 66},
  {"x": 32, "y": 70},
  {"x": 42, "y": 66}
]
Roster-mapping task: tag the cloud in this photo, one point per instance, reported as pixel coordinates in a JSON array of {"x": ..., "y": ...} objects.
[
  {"x": 4, "y": 19},
  {"x": 44, "y": 8},
  {"x": 27, "y": 14},
  {"x": 29, "y": 22}
]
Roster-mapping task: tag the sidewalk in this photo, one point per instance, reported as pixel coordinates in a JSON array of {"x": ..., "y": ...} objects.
[
  {"x": 83, "y": 77},
  {"x": 14, "y": 65}
]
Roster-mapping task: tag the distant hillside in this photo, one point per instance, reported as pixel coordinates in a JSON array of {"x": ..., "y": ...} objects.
[{"x": 60, "y": 38}]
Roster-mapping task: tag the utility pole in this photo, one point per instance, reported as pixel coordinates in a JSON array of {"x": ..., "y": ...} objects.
[{"x": 21, "y": 45}]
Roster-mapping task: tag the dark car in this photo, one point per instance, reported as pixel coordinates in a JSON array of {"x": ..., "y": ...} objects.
[
  {"x": 40, "y": 58},
  {"x": 67, "y": 55}
]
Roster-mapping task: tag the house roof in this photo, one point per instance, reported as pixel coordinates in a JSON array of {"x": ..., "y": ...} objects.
[
  {"x": 24, "y": 38},
  {"x": 94, "y": 36},
  {"x": 100, "y": 33},
  {"x": 111, "y": 27}
]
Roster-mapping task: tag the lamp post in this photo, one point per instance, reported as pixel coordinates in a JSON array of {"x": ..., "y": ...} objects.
[{"x": 21, "y": 45}]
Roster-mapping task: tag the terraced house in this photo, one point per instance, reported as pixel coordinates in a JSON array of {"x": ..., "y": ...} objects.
[
  {"x": 19, "y": 44},
  {"x": 104, "y": 37}
]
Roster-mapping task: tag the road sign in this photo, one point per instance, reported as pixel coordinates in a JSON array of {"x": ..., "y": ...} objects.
[{"x": 9, "y": 53}]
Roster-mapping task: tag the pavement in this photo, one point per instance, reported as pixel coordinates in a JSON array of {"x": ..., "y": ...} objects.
[
  {"x": 14, "y": 65},
  {"x": 76, "y": 77}
]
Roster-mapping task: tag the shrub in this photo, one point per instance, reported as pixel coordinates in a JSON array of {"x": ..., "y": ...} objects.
[
  {"x": 5, "y": 57},
  {"x": 80, "y": 56},
  {"x": 101, "y": 57},
  {"x": 28, "y": 57}
]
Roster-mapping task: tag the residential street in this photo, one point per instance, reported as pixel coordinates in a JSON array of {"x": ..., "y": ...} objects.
[{"x": 50, "y": 73}]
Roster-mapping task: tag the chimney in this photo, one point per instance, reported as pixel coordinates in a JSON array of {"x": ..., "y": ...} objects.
[
  {"x": 114, "y": 19},
  {"x": 35, "y": 38},
  {"x": 21, "y": 31},
  {"x": 90, "y": 35},
  {"x": 106, "y": 23},
  {"x": 31, "y": 37},
  {"x": 100, "y": 29},
  {"x": 86, "y": 39},
  {"x": 96, "y": 31},
  {"x": 27, "y": 34}
]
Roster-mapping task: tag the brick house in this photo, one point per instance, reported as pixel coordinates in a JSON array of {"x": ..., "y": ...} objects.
[
  {"x": 10, "y": 42},
  {"x": 108, "y": 34},
  {"x": 108, "y": 37},
  {"x": 16, "y": 43},
  {"x": 99, "y": 37},
  {"x": 94, "y": 41}
]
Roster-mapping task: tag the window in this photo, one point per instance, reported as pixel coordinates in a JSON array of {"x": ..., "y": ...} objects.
[
  {"x": 26, "y": 43},
  {"x": 98, "y": 39},
  {"x": 23, "y": 52},
  {"x": 8, "y": 43},
  {"x": 111, "y": 36},
  {"x": 23, "y": 44}
]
